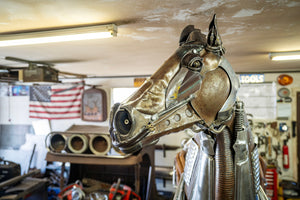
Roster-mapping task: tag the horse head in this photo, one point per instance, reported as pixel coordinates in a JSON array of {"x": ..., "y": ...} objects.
[{"x": 196, "y": 85}]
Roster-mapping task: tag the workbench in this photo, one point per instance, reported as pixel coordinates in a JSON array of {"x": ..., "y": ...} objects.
[{"x": 29, "y": 188}]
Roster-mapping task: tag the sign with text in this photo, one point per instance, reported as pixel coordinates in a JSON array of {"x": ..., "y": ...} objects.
[{"x": 252, "y": 78}]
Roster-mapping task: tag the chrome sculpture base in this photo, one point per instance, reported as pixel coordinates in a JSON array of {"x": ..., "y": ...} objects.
[{"x": 219, "y": 166}]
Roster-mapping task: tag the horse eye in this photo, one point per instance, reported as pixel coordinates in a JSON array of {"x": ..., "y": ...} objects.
[{"x": 195, "y": 64}]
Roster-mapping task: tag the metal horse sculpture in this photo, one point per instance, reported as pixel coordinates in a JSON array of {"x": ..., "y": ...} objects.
[{"x": 195, "y": 88}]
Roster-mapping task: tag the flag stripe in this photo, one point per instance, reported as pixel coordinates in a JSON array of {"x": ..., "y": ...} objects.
[
  {"x": 35, "y": 111},
  {"x": 61, "y": 101},
  {"x": 53, "y": 115},
  {"x": 39, "y": 117},
  {"x": 64, "y": 92},
  {"x": 49, "y": 104},
  {"x": 44, "y": 106},
  {"x": 67, "y": 86},
  {"x": 43, "y": 109},
  {"x": 65, "y": 95},
  {"x": 73, "y": 97}
]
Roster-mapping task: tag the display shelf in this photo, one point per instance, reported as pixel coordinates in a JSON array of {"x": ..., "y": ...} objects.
[
  {"x": 94, "y": 160},
  {"x": 138, "y": 168}
]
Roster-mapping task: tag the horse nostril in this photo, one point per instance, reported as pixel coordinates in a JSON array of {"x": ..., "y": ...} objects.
[{"x": 123, "y": 121}]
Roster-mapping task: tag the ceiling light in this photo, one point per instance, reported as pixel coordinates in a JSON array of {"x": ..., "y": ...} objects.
[
  {"x": 59, "y": 35},
  {"x": 288, "y": 55}
]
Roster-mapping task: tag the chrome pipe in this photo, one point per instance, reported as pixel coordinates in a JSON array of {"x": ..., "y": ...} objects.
[
  {"x": 100, "y": 144},
  {"x": 58, "y": 142},
  {"x": 78, "y": 143}
]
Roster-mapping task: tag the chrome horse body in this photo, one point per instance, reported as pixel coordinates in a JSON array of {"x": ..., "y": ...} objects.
[{"x": 195, "y": 89}]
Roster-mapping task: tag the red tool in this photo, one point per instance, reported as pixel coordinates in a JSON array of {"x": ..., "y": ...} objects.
[
  {"x": 272, "y": 182},
  {"x": 285, "y": 152},
  {"x": 122, "y": 192},
  {"x": 70, "y": 191}
]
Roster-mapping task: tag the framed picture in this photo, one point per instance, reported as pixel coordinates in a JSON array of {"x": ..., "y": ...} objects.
[{"x": 94, "y": 105}]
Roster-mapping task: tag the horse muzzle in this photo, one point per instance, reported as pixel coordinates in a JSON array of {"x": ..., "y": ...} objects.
[{"x": 127, "y": 128}]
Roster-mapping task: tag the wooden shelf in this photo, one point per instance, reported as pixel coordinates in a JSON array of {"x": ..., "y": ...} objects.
[
  {"x": 93, "y": 160},
  {"x": 28, "y": 186}
]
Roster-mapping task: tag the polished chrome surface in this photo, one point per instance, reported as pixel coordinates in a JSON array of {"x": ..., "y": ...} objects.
[
  {"x": 100, "y": 144},
  {"x": 202, "y": 186},
  {"x": 190, "y": 161},
  {"x": 78, "y": 143},
  {"x": 255, "y": 169},
  {"x": 244, "y": 184},
  {"x": 224, "y": 176},
  {"x": 130, "y": 118},
  {"x": 214, "y": 42},
  {"x": 243, "y": 171},
  {"x": 261, "y": 194},
  {"x": 182, "y": 86},
  {"x": 192, "y": 71},
  {"x": 196, "y": 89},
  {"x": 58, "y": 142},
  {"x": 179, "y": 193},
  {"x": 174, "y": 86},
  {"x": 177, "y": 118},
  {"x": 211, "y": 96},
  {"x": 235, "y": 84}
]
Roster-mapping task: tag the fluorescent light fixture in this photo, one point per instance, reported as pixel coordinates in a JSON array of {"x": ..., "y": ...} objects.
[
  {"x": 288, "y": 55},
  {"x": 59, "y": 35}
]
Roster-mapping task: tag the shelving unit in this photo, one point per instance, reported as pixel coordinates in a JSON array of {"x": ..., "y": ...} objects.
[{"x": 136, "y": 171}]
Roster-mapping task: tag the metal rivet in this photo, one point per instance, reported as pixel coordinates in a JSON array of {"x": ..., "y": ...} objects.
[
  {"x": 188, "y": 113},
  {"x": 126, "y": 121},
  {"x": 167, "y": 122},
  {"x": 177, "y": 117}
]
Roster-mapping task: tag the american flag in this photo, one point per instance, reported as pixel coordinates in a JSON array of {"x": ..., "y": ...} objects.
[{"x": 59, "y": 101}]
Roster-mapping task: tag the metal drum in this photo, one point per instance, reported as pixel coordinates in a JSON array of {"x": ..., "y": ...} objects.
[
  {"x": 58, "y": 142},
  {"x": 78, "y": 143},
  {"x": 100, "y": 144}
]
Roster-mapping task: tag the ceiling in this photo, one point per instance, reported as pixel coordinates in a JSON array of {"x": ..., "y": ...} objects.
[{"x": 148, "y": 32}]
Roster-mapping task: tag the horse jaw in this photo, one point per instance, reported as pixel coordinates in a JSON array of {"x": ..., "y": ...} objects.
[{"x": 212, "y": 95}]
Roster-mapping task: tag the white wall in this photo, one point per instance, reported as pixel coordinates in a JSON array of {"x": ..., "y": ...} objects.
[
  {"x": 290, "y": 174},
  {"x": 14, "y": 110}
]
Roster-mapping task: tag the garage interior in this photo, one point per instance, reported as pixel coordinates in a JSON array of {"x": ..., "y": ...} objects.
[{"x": 45, "y": 156}]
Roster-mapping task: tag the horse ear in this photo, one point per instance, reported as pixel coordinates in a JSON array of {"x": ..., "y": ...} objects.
[
  {"x": 191, "y": 34},
  {"x": 214, "y": 42},
  {"x": 185, "y": 34}
]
